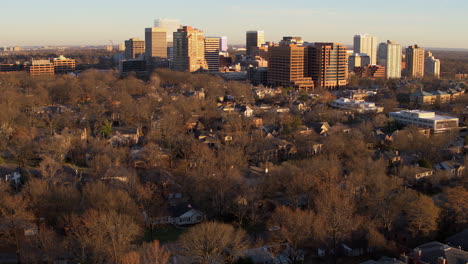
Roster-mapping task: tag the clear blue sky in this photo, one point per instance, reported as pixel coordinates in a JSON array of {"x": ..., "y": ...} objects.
[{"x": 430, "y": 23}]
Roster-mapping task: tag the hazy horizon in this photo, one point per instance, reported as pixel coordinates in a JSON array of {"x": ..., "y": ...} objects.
[{"x": 429, "y": 23}]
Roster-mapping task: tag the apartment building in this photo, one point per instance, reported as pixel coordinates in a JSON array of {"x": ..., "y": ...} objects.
[
  {"x": 415, "y": 61},
  {"x": 286, "y": 66},
  {"x": 189, "y": 50},
  {"x": 327, "y": 64}
]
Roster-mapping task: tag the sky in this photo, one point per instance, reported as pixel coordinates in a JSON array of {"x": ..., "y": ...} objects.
[{"x": 428, "y": 23}]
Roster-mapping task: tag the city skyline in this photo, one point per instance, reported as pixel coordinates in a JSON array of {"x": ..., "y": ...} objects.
[{"x": 91, "y": 23}]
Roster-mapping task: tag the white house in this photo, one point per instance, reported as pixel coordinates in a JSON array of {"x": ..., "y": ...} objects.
[{"x": 181, "y": 215}]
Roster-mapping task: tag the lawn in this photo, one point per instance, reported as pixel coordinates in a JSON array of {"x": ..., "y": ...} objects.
[{"x": 164, "y": 233}]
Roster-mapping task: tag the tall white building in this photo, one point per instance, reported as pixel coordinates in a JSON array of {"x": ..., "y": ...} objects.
[
  {"x": 432, "y": 65},
  {"x": 364, "y": 43},
  {"x": 171, "y": 26},
  {"x": 390, "y": 56},
  {"x": 223, "y": 44}
]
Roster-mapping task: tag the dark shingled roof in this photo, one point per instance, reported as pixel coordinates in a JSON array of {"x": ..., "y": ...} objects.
[{"x": 430, "y": 252}]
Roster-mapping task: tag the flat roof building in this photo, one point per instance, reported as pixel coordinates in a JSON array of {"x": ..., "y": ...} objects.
[
  {"x": 212, "y": 49},
  {"x": 254, "y": 39},
  {"x": 189, "y": 50},
  {"x": 358, "y": 60},
  {"x": 41, "y": 68},
  {"x": 364, "y": 43},
  {"x": 359, "y": 106},
  {"x": 171, "y": 26},
  {"x": 432, "y": 66},
  {"x": 134, "y": 48},
  {"x": 327, "y": 64},
  {"x": 64, "y": 65},
  {"x": 286, "y": 66},
  {"x": 133, "y": 66},
  {"x": 155, "y": 43},
  {"x": 415, "y": 61},
  {"x": 425, "y": 119},
  {"x": 390, "y": 56}
]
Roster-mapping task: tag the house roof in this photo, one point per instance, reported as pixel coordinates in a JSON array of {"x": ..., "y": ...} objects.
[
  {"x": 459, "y": 240},
  {"x": 439, "y": 92},
  {"x": 384, "y": 260},
  {"x": 430, "y": 253},
  {"x": 421, "y": 93},
  {"x": 181, "y": 209}
]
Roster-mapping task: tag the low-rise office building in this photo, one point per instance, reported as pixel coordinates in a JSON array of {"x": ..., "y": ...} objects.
[
  {"x": 359, "y": 106},
  {"x": 64, "y": 65},
  {"x": 425, "y": 119},
  {"x": 41, "y": 68}
]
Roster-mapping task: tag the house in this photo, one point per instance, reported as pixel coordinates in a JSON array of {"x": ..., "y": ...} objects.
[
  {"x": 320, "y": 128},
  {"x": 422, "y": 98},
  {"x": 384, "y": 260},
  {"x": 298, "y": 106},
  {"x": 393, "y": 158},
  {"x": 183, "y": 214},
  {"x": 436, "y": 253},
  {"x": 266, "y": 255},
  {"x": 442, "y": 96},
  {"x": 459, "y": 240},
  {"x": 15, "y": 177},
  {"x": 275, "y": 151},
  {"x": 453, "y": 167},
  {"x": 199, "y": 94},
  {"x": 413, "y": 174},
  {"x": 245, "y": 110},
  {"x": 124, "y": 136}
]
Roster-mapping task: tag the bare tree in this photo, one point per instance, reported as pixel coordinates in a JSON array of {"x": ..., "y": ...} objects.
[
  {"x": 212, "y": 242},
  {"x": 154, "y": 253},
  {"x": 295, "y": 227},
  {"x": 422, "y": 215},
  {"x": 14, "y": 217}
]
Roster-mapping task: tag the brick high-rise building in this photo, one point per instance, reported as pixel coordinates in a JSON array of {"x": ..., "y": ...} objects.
[
  {"x": 134, "y": 48},
  {"x": 212, "y": 49},
  {"x": 286, "y": 66},
  {"x": 254, "y": 39},
  {"x": 155, "y": 43},
  {"x": 364, "y": 43},
  {"x": 189, "y": 50},
  {"x": 432, "y": 66},
  {"x": 327, "y": 64},
  {"x": 415, "y": 61},
  {"x": 390, "y": 56}
]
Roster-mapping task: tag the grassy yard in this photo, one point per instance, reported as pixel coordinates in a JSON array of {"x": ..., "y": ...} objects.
[{"x": 165, "y": 233}]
